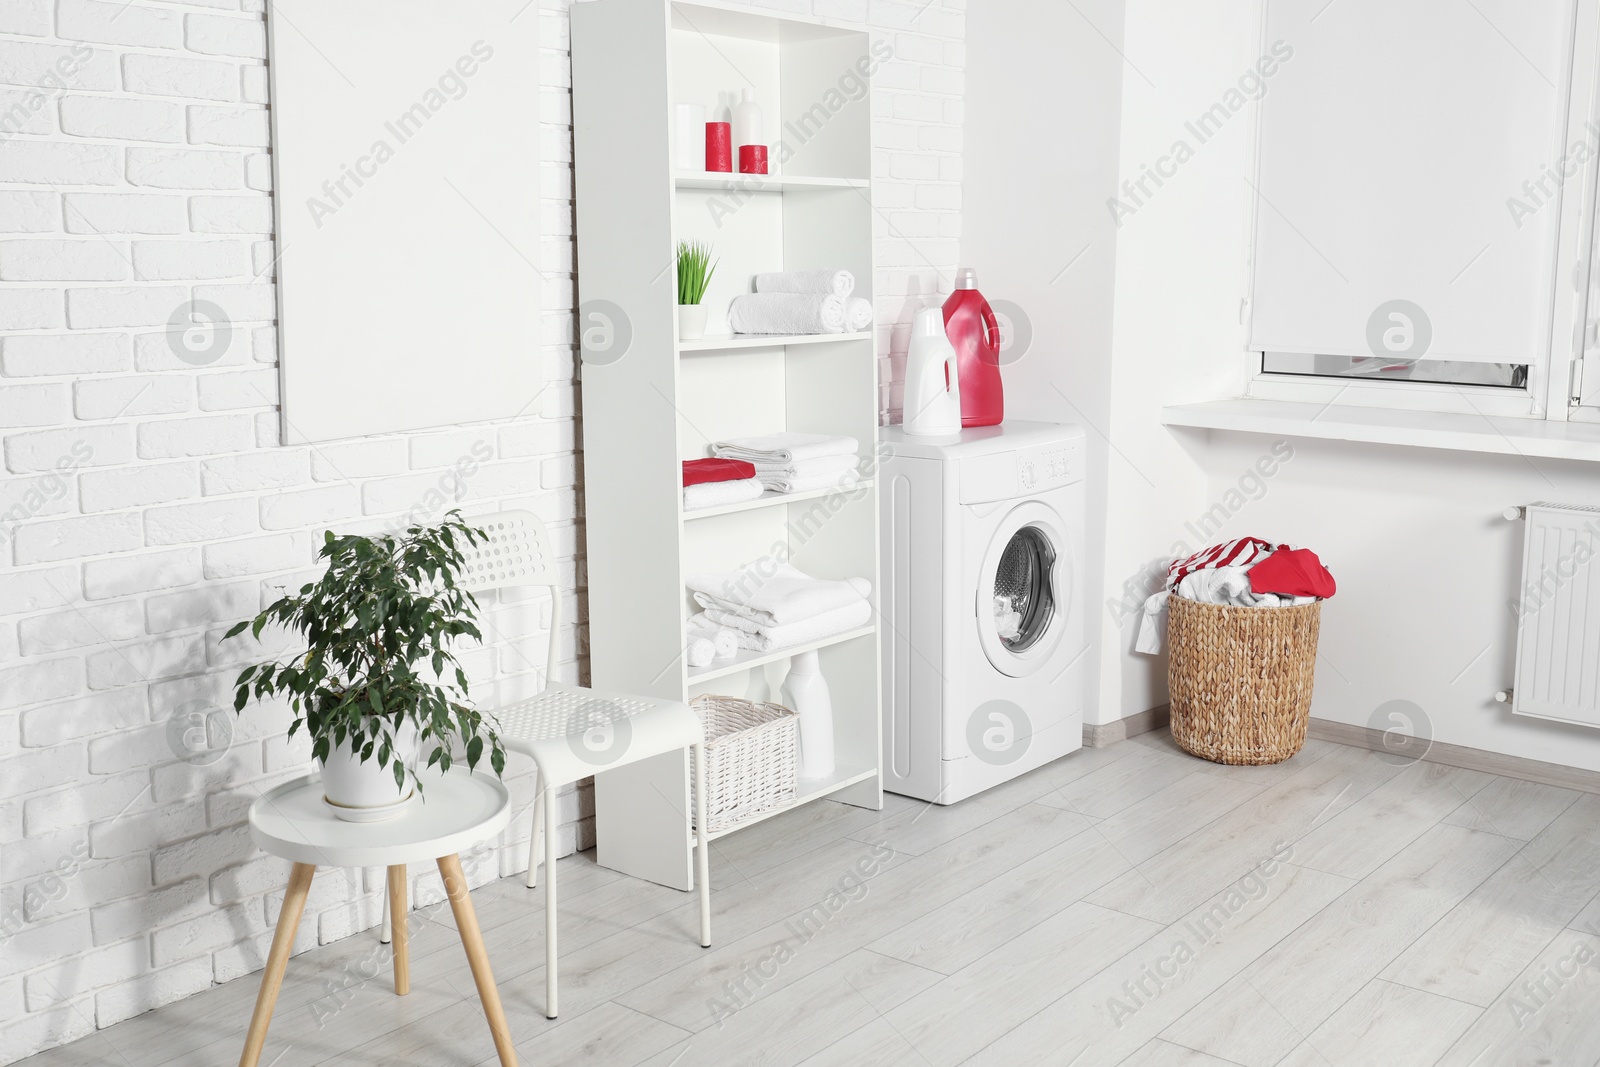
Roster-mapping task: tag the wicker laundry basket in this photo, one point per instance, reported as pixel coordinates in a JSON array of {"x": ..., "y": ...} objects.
[
  {"x": 1241, "y": 679},
  {"x": 750, "y": 758}
]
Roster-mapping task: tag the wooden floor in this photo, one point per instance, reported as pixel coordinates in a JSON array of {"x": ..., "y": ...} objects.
[{"x": 1126, "y": 905}]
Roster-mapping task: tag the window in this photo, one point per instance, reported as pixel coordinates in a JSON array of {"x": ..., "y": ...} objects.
[{"x": 1417, "y": 177}]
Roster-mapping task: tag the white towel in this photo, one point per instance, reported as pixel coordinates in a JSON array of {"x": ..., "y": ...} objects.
[
  {"x": 828, "y": 280},
  {"x": 807, "y": 467},
  {"x": 774, "y": 594},
  {"x": 857, "y": 314},
  {"x": 785, "y": 447},
  {"x": 787, "y": 313},
  {"x": 805, "y": 483},
  {"x": 716, "y": 494},
  {"x": 701, "y": 652},
  {"x": 771, "y": 638}
]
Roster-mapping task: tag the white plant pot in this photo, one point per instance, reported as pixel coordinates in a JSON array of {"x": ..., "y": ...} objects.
[
  {"x": 365, "y": 792},
  {"x": 691, "y": 322}
]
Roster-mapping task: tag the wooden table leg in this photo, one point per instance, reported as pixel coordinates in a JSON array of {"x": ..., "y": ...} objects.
[
  {"x": 399, "y": 932},
  {"x": 455, "y": 886},
  {"x": 294, "y": 905}
]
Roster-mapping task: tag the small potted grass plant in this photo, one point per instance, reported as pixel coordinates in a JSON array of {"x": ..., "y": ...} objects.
[
  {"x": 694, "y": 274},
  {"x": 378, "y": 681}
]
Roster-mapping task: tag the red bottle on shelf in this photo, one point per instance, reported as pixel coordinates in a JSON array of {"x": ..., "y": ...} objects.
[{"x": 974, "y": 332}]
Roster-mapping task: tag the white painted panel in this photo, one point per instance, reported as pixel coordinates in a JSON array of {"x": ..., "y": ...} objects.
[
  {"x": 1394, "y": 140},
  {"x": 407, "y": 189}
]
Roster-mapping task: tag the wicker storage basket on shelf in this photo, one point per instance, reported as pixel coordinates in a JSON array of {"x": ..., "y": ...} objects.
[
  {"x": 1241, "y": 679},
  {"x": 750, "y": 758}
]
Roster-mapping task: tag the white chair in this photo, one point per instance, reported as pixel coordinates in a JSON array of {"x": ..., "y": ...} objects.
[{"x": 572, "y": 732}]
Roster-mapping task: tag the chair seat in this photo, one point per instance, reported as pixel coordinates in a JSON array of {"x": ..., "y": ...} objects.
[{"x": 572, "y": 732}]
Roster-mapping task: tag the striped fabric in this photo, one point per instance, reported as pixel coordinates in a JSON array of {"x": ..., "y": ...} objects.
[{"x": 1240, "y": 552}]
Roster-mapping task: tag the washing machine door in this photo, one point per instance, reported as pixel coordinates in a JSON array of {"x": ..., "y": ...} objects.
[{"x": 1023, "y": 595}]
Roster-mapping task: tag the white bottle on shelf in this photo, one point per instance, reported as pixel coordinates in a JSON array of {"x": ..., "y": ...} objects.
[
  {"x": 806, "y": 692},
  {"x": 746, "y": 121}
]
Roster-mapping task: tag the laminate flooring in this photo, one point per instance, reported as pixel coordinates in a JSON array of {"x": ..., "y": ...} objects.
[{"x": 1127, "y": 905}]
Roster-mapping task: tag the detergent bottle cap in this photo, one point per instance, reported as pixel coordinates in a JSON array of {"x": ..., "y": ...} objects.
[{"x": 966, "y": 278}]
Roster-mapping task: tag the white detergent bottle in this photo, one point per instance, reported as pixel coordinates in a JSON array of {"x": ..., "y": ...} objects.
[
  {"x": 806, "y": 692},
  {"x": 932, "y": 404}
]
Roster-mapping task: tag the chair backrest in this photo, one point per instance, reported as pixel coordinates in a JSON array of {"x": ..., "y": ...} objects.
[{"x": 517, "y": 553}]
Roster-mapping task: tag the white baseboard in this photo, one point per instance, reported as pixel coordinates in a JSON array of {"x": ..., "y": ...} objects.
[
  {"x": 1472, "y": 759},
  {"x": 1141, "y": 722}
]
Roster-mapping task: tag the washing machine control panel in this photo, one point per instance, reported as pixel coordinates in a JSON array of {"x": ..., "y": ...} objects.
[{"x": 1022, "y": 472}]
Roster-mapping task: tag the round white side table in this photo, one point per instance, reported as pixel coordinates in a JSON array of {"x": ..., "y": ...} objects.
[{"x": 459, "y": 810}]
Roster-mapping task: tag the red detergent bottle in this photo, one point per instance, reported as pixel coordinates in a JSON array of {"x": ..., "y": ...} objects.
[{"x": 974, "y": 332}]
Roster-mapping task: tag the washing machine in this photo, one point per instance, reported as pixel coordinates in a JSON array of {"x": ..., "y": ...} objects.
[{"x": 983, "y": 643}]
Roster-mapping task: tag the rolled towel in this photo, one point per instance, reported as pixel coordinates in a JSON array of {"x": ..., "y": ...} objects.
[
  {"x": 716, "y": 494},
  {"x": 785, "y": 447},
  {"x": 701, "y": 652},
  {"x": 857, "y": 314},
  {"x": 787, "y": 313},
  {"x": 828, "y": 280},
  {"x": 725, "y": 642}
]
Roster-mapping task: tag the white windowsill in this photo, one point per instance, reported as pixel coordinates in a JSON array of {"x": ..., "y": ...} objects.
[{"x": 1501, "y": 435}]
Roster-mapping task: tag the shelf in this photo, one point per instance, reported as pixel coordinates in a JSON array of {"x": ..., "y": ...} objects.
[
  {"x": 734, "y": 342},
  {"x": 746, "y": 660},
  {"x": 629, "y": 67},
  {"x": 760, "y": 183},
  {"x": 807, "y": 790},
  {"x": 1394, "y": 426},
  {"x": 769, "y": 499}
]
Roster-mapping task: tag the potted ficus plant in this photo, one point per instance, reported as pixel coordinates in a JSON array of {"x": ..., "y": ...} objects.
[
  {"x": 378, "y": 682},
  {"x": 694, "y": 274}
]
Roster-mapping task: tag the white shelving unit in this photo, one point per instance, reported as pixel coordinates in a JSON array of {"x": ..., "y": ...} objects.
[{"x": 656, "y": 401}]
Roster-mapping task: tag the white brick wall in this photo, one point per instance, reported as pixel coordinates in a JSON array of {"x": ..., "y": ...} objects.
[{"x": 145, "y": 505}]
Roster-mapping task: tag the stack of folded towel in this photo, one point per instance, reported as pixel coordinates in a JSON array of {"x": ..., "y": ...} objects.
[
  {"x": 801, "y": 302},
  {"x": 709, "y": 483},
  {"x": 796, "y": 462},
  {"x": 766, "y": 606}
]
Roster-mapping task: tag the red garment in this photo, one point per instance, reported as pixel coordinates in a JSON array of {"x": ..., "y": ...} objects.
[
  {"x": 698, "y": 471},
  {"x": 1240, "y": 552},
  {"x": 1292, "y": 572}
]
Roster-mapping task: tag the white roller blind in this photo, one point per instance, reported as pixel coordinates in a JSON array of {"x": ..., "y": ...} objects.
[{"x": 1408, "y": 178}]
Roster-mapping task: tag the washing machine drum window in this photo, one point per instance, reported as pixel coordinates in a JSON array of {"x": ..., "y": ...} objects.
[{"x": 1024, "y": 600}]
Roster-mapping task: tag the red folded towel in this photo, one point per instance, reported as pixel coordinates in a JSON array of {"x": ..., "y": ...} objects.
[
  {"x": 1292, "y": 572},
  {"x": 699, "y": 471}
]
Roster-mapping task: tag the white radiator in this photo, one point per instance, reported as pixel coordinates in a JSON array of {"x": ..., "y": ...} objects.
[{"x": 1558, "y": 615}]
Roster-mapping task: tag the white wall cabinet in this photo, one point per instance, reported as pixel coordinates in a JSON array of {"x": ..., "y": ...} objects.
[{"x": 650, "y": 401}]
